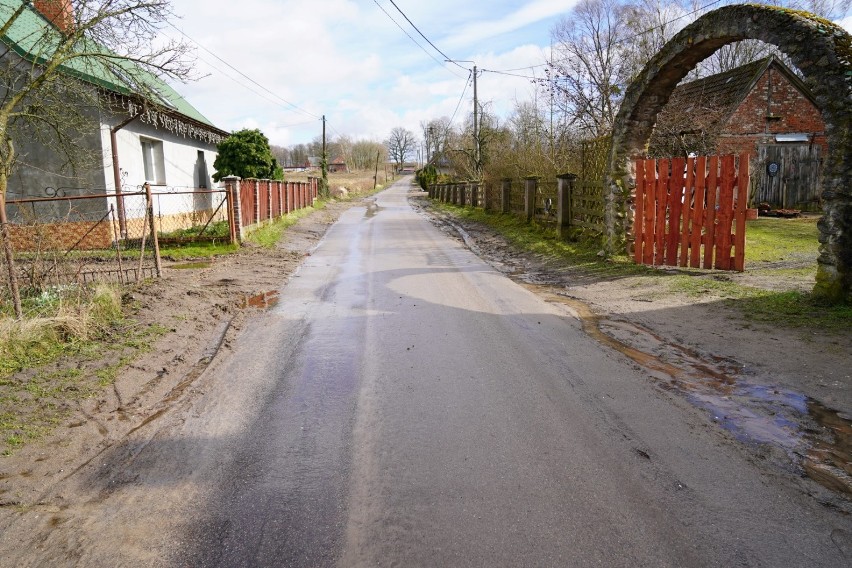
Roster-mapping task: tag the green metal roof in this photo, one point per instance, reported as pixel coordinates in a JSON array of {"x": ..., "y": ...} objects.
[{"x": 27, "y": 37}]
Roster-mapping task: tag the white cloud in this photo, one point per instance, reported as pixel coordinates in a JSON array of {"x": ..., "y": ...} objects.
[{"x": 345, "y": 59}]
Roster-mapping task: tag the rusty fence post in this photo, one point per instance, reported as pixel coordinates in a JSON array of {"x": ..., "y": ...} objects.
[
  {"x": 564, "y": 191},
  {"x": 235, "y": 214},
  {"x": 530, "y": 187},
  {"x": 152, "y": 227},
  {"x": 505, "y": 195}
]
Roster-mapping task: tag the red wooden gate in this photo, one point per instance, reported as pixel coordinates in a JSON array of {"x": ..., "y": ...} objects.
[{"x": 689, "y": 213}]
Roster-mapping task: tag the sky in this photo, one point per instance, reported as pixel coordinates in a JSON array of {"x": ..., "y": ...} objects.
[
  {"x": 355, "y": 64},
  {"x": 347, "y": 60}
]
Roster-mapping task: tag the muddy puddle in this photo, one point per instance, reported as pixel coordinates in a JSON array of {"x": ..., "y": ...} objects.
[
  {"x": 372, "y": 210},
  {"x": 816, "y": 440},
  {"x": 261, "y": 300}
]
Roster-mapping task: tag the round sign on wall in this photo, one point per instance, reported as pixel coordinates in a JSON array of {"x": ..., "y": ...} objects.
[{"x": 772, "y": 168}]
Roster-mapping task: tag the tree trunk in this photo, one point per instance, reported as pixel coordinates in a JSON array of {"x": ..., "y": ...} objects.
[{"x": 7, "y": 251}]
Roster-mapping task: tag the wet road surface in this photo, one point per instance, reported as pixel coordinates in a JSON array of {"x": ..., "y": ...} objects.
[
  {"x": 433, "y": 413},
  {"x": 404, "y": 404}
]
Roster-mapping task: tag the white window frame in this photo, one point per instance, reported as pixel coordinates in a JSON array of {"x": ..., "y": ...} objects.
[{"x": 153, "y": 161}]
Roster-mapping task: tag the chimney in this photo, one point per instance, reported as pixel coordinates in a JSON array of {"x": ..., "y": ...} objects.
[{"x": 59, "y": 12}]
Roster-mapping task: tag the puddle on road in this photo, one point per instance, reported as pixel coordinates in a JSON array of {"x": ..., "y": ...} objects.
[
  {"x": 191, "y": 265},
  {"x": 372, "y": 210},
  {"x": 261, "y": 300},
  {"x": 816, "y": 439}
]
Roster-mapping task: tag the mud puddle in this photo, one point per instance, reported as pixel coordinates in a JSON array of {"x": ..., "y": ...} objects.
[
  {"x": 816, "y": 440},
  {"x": 372, "y": 209},
  {"x": 261, "y": 300}
]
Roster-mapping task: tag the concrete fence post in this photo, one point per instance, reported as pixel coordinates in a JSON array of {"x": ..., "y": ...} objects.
[
  {"x": 564, "y": 190},
  {"x": 488, "y": 196},
  {"x": 530, "y": 187},
  {"x": 235, "y": 213},
  {"x": 474, "y": 194},
  {"x": 256, "y": 201},
  {"x": 462, "y": 194},
  {"x": 268, "y": 186},
  {"x": 505, "y": 195}
]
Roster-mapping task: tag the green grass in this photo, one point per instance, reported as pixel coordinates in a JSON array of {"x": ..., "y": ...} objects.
[
  {"x": 219, "y": 229},
  {"x": 197, "y": 250},
  {"x": 269, "y": 234},
  {"x": 581, "y": 255},
  {"x": 769, "y": 241},
  {"x": 774, "y": 240}
]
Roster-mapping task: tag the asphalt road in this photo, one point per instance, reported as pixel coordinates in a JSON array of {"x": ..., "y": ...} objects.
[{"x": 407, "y": 405}]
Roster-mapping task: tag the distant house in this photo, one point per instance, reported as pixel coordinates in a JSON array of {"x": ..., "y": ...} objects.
[
  {"x": 157, "y": 137},
  {"x": 313, "y": 162},
  {"x": 761, "y": 108},
  {"x": 338, "y": 165}
]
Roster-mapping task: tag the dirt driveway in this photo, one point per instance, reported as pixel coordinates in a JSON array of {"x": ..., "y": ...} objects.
[{"x": 760, "y": 384}]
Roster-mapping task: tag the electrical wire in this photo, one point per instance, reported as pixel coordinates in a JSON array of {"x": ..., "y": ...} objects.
[
  {"x": 446, "y": 57},
  {"x": 461, "y": 98},
  {"x": 617, "y": 42},
  {"x": 438, "y": 61},
  {"x": 274, "y": 94}
]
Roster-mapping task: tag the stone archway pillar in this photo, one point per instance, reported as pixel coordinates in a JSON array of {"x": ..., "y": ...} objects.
[{"x": 821, "y": 50}]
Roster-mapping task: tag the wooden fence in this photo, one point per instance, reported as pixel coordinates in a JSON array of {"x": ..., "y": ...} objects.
[{"x": 689, "y": 212}]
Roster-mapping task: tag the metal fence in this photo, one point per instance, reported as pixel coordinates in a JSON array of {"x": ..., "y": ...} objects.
[{"x": 82, "y": 238}]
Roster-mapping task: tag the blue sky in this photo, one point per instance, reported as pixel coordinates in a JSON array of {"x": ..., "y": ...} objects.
[{"x": 347, "y": 60}]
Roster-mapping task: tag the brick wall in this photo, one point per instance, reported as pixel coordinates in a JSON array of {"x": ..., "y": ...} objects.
[{"x": 775, "y": 96}]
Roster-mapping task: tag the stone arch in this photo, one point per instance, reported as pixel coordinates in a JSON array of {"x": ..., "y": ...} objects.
[{"x": 823, "y": 53}]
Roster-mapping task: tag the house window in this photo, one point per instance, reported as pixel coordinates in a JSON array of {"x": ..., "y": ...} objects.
[{"x": 152, "y": 156}]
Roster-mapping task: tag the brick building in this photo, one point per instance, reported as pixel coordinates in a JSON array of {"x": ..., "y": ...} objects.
[{"x": 761, "y": 108}]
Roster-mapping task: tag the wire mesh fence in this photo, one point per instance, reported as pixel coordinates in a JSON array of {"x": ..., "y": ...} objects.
[
  {"x": 78, "y": 239},
  {"x": 185, "y": 214}
]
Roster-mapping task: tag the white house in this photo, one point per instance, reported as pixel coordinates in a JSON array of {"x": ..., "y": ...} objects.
[{"x": 159, "y": 138}]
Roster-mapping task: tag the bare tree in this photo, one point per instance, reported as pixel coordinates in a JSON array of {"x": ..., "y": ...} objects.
[
  {"x": 366, "y": 152},
  {"x": 400, "y": 144},
  {"x": 45, "y": 90},
  {"x": 588, "y": 73}
]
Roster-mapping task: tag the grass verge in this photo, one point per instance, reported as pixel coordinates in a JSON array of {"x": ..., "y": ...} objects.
[
  {"x": 769, "y": 240},
  {"x": 86, "y": 325},
  {"x": 269, "y": 234}
]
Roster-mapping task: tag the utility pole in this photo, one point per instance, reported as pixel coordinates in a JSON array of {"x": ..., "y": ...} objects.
[
  {"x": 476, "y": 157},
  {"x": 324, "y": 163}
]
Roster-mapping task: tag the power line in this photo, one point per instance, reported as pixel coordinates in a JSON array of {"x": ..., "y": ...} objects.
[
  {"x": 248, "y": 88},
  {"x": 439, "y": 62},
  {"x": 461, "y": 98},
  {"x": 617, "y": 42},
  {"x": 446, "y": 57},
  {"x": 274, "y": 94}
]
